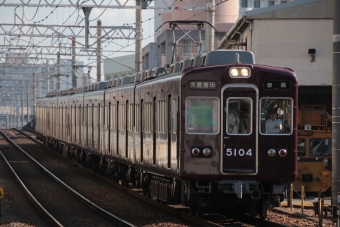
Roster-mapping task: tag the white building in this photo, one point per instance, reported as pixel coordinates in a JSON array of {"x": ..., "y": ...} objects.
[{"x": 297, "y": 35}]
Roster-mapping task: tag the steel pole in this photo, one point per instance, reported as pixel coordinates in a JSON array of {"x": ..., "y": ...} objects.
[
  {"x": 99, "y": 50},
  {"x": 139, "y": 38},
  {"x": 74, "y": 80},
  {"x": 209, "y": 31},
  {"x": 336, "y": 111}
]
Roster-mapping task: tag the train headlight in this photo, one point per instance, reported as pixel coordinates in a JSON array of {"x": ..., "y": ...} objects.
[
  {"x": 239, "y": 72},
  {"x": 283, "y": 152},
  {"x": 325, "y": 160},
  {"x": 245, "y": 72},
  {"x": 206, "y": 151},
  {"x": 271, "y": 152},
  {"x": 234, "y": 72},
  {"x": 195, "y": 151}
]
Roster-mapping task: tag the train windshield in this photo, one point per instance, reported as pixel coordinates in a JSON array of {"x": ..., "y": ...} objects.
[
  {"x": 320, "y": 147},
  {"x": 202, "y": 115},
  {"x": 238, "y": 118},
  {"x": 276, "y": 116}
]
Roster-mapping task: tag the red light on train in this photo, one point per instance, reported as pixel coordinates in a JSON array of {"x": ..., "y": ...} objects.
[
  {"x": 195, "y": 151},
  {"x": 283, "y": 152}
]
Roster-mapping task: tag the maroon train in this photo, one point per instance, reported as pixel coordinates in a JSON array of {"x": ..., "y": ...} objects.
[{"x": 193, "y": 133}]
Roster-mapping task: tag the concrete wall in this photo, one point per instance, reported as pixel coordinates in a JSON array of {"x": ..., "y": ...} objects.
[{"x": 286, "y": 43}]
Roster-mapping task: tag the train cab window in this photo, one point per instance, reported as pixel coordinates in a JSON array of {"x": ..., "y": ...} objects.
[
  {"x": 320, "y": 147},
  {"x": 276, "y": 116},
  {"x": 202, "y": 115},
  {"x": 238, "y": 112},
  {"x": 301, "y": 147}
]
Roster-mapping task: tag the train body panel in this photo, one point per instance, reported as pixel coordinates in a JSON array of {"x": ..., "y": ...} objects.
[
  {"x": 202, "y": 129},
  {"x": 93, "y": 103},
  {"x": 198, "y": 137}
]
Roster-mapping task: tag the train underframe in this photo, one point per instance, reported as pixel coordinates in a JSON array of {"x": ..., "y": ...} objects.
[{"x": 225, "y": 196}]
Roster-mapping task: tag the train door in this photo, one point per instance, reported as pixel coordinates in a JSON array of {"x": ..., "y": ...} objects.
[{"x": 240, "y": 155}]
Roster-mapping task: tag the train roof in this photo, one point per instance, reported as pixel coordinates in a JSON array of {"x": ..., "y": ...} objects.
[{"x": 216, "y": 57}]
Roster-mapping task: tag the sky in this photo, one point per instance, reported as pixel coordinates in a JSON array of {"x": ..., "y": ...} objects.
[{"x": 73, "y": 16}]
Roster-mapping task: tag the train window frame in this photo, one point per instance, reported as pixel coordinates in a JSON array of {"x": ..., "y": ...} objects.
[
  {"x": 288, "y": 109},
  {"x": 215, "y": 124},
  {"x": 238, "y": 115}
]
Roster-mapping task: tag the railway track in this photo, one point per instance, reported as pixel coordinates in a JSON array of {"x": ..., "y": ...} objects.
[
  {"x": 55, "y": 201},
  {"x": 209, "y": 220}
]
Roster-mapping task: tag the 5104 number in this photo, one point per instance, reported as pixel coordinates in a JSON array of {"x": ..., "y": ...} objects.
[{"x": 238, "y": 152}]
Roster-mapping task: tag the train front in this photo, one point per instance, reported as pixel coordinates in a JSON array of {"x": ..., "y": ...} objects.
[{"x": 239, "y": 142}]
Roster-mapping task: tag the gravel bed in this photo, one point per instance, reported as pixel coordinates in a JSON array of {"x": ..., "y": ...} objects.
[{"x": 287, "y": 219}]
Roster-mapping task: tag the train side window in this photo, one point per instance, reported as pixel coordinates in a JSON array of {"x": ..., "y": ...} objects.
[
  {"x": 276, "y": 116},
  {"x": 174, "y": 115},
  {"x": 202, "y": 115},
  {"x": 137, "y": 115},
  {"x": 301, "y": 147}
]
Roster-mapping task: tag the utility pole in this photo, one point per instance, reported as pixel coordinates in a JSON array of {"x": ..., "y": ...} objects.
[
  {"x": 35, "y": 94},
  {"x": 74, "y": 79},
  {"x": 28, "y": 108},
  {"x": 22, "y": 109},
  {"x": 139, "y": 38},
  {"x": 58, "y": 70},
  {"x": 209, "y": 31},
  {"x": 18, "y": 111},
  {"x": 99, "y": 50},
  {"x": 87, "y": 11},
  {"x": 336, "y": 112}
]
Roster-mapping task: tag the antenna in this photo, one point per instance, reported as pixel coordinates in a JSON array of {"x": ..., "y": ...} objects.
[{"x": 237, "y": 58}]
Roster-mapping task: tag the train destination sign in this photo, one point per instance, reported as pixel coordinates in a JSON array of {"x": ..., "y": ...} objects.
[{"x": 203, "y": 84}]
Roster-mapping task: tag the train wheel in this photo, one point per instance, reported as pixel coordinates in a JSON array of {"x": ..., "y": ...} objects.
[
  {"x": 199, "y": 211},
  {"x": 125, "y": 180},
  {"x": 263, "y": 208},
  {"x": 116, "y": 177},
  {"x": 192, "y": 210},
  {"x": 102, "y": 166},
  {"x": 137, "y": 181}
]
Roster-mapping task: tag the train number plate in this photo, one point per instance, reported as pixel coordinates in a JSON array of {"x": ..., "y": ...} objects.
[{"x": 238, "y": 152}]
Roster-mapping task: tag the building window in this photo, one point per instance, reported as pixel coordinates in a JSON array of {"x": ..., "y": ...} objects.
[
  {"x": 284, "y": 1},
  {"x": 244, "y": 4},
  {"x": 271, "y": 3},
  {"x": 256, "y": 4},
  {"x": 187, "y": 46}
]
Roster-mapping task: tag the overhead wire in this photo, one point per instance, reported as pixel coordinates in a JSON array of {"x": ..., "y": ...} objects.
[{"x": 109, "y": 42}]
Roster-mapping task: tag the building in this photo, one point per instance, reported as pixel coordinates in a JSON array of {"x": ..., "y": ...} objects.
[
  {"x": 22, "y": 83},
  {"x": 224, "y": 17},
  {"x": 159, "y": 52},
  {"x": 119, "y": 66},
  {"x": 297, "y": 35}
]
